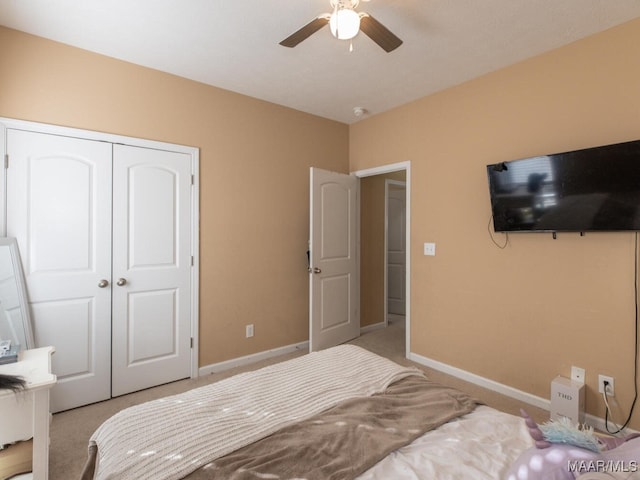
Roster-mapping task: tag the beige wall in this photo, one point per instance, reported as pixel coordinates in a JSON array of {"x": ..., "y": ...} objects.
[
  {"x": 254, "y": 166},
  {"x": 522, "y": 315},
  {"x": 519, "y": 316}
]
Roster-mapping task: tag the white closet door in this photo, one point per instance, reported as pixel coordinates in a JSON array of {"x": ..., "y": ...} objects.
[
  {"x": 59, "y": 208},
  {"x": 151, "y": 268}
]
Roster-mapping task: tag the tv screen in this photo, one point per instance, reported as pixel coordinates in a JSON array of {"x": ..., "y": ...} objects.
[{"x": 595, "y": 189}]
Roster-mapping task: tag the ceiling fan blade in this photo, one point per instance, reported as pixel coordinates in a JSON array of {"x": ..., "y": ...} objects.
[
  {"x": 305, "y": 32},
  {"x": 379, "y": 33}
]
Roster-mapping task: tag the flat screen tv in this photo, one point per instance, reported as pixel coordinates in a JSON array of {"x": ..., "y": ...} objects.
[{"x": 594, "y": 189}]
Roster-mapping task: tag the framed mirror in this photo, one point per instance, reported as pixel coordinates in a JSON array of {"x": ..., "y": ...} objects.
[{"x": 15, "y": 320}]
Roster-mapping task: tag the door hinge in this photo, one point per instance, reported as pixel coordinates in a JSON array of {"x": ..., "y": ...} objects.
[
  {"x": 191, "y": 343},
  {"x": 192, "y": 261},
  {"x": 193, "y": 179},
  {"x": 6, "y": 161}
]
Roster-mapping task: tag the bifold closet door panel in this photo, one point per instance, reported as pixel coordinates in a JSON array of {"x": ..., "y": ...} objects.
[
  {"x": 59, "y": 209},
  {"x": 151, "y": 267}
]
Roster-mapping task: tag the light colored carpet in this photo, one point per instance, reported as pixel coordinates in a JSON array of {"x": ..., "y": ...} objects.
[{"x": 71, "y": 430}]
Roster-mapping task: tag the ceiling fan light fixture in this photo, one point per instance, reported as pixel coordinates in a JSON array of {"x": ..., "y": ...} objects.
[{"x": 344, "y": 23}]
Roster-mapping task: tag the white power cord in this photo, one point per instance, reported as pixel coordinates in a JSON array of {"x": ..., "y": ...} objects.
[{"x": 610, "y": 413}]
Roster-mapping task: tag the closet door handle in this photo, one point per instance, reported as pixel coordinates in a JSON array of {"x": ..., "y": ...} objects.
[
  {"x": 103, "y": 283},
  {"x": 121, "y": 282}
]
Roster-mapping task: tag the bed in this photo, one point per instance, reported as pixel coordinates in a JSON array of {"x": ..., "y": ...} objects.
[{"x": 342, "y": 413}]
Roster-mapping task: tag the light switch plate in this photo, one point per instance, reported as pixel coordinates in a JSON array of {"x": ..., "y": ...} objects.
[{"x": 430, "y": 249}]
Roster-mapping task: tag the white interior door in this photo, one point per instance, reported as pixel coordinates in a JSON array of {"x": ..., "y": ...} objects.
[
  {"x": 334, "y": 286},
  {"x": 151, "y": 268},
  {"x": 59, "y": 209},
  {"x": 396, "y": 241}
]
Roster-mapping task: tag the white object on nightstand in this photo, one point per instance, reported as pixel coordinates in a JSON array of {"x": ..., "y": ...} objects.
[{"x": 26, "y": 414}]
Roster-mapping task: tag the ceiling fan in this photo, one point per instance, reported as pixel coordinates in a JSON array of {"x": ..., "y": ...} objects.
[{"x": 345, "y": 23}]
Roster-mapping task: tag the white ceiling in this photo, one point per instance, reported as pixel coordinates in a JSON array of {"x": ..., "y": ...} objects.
[{"x": 233, "y": 44}]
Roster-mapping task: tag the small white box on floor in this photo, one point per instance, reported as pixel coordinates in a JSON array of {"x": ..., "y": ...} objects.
[{"x": 567, "y": 399}]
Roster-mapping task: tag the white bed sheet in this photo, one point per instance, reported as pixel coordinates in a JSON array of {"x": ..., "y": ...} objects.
[{"x": 478, "y": 446}]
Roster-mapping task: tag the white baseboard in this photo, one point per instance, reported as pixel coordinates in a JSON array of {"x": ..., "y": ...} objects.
[
  {"x": 525, "y": 397},
  {"x": 391, "y": 317},
  {"x": 371, "y": 328},
  {"x": 598, "y": 424},
  {"x": 253, "y": 358},
  {"x": 482, "y": 381},
  {"x": 256, "y": 357}
]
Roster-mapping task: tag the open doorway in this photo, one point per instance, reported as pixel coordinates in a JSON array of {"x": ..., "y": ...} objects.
[
  {"x": 395, "y": 247},
  {"x": 378, "y": 279}
]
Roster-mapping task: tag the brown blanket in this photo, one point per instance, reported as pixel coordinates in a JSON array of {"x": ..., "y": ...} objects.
[
  {"x": 342, "y": 442},
  {"x": 346, "y": 440}
]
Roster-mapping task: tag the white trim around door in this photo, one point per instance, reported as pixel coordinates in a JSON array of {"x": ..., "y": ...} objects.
[{"x": 396, "y": 167}]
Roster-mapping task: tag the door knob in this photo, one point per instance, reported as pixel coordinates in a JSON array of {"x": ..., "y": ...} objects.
[
  {"x": 316, "y": 270},
  {"x": 103, "y": 283},
  {"x": 121, "y": 282}
]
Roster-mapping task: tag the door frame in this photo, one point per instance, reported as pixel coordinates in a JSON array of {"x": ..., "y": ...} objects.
[
  {"x": 194, "y": 152},
  {"x": 396, "y": 167}
]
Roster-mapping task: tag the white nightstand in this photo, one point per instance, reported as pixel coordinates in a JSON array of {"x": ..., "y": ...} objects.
[{"x": 26, "y": 414}]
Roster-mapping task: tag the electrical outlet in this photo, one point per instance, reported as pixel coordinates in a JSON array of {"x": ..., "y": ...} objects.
[
  {"x": 610, "y": 385},
  {"x": 577, "y": 374},
  {"x": 249, "y": 330}
]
